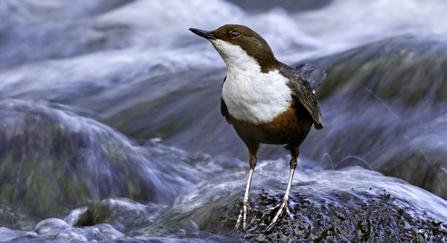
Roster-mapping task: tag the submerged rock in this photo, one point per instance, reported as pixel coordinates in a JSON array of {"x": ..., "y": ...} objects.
[
  {"x": 384, "y": 109},
  {"x": 58, "y": 230},
  {"x": 52, "y": 160},
  {"x": 123, "y": 214}
]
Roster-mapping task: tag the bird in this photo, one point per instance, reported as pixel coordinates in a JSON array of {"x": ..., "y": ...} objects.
[{"x": 265, "y": 100}]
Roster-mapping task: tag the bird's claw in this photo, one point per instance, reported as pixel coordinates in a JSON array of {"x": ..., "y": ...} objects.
[
  {"x": 243, "y": 215},
  {"x": 283, "y": 205}
]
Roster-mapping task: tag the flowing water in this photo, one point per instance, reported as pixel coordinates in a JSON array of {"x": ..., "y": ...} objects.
[{"x": 110, "y": 124}]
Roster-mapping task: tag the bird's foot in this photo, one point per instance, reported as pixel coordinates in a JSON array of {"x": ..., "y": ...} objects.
[
  {"x": 283, "y": 205},
  {"x": 243, "y": 214}
]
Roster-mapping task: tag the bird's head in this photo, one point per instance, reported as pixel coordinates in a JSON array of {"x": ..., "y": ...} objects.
[{"x": 237, "y": 43}]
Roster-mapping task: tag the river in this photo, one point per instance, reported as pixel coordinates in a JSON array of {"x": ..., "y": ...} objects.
[{"x": 110, "y": 124}]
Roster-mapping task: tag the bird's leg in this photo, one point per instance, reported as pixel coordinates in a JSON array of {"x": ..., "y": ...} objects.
[
  {"x": 284, "y": 201},
  {"x": 245, "y": 203}
]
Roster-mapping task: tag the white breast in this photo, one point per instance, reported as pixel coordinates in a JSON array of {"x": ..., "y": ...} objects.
[{"x": 249, "y": 94}]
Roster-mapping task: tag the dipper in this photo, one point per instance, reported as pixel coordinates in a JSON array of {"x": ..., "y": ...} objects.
[{"x": 266, "y": 101}]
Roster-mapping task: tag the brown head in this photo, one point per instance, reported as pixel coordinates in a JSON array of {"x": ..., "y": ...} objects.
[{"x": 230, "y": 39}]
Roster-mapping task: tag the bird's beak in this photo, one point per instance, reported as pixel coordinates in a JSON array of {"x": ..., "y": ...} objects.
[{"x": 205, "y": 34}]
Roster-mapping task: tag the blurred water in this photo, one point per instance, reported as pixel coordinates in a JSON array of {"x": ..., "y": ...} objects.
[{"x": 117, "y": 98}]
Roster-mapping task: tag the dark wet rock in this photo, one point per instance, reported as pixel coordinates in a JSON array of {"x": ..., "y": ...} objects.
[
  {"x": 354, "y": 216},
  {"x": 352, "y": 205},
  {"x": 52, "y": 160}
]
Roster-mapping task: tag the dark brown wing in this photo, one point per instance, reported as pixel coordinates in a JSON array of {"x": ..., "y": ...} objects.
[
  {"x": 303, "y": 93},
  {"x": 223, "y": 108},
  {"x": 312, "y": 74}
]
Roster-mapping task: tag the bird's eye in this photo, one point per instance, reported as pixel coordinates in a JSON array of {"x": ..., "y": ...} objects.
[{"x": 235, "y": 33}]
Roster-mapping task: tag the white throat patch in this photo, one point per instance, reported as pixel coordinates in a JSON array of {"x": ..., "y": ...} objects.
[{"x": 249, "y": 94}]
